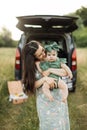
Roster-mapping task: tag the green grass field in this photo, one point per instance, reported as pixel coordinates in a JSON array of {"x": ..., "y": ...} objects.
[{"x": 24, "y": 116}]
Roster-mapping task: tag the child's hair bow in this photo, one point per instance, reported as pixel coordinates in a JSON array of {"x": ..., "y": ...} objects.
[{"x": 52, "y": 46}]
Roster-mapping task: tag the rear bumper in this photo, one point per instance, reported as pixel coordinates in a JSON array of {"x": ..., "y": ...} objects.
[{"x": 71, "y": 83}]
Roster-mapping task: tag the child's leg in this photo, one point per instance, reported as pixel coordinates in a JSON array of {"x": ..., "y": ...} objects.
[
  {"x": 62, "y": 85},
  {"x": 46, "y": 91}
]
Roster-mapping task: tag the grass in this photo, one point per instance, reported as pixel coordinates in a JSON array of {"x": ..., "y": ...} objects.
[
  {"x": 24, "y": 116},
  {"x": 78, "y": 100}
]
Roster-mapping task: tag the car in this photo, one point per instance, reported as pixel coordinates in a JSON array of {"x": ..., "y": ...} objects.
[{"x": 48, "y": 29}]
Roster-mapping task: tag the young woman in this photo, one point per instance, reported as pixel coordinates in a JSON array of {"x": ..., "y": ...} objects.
[{"x": 52, "y": 115}]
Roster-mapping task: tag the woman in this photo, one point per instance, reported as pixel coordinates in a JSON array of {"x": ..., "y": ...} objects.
[{"x": 53, "y": 115}]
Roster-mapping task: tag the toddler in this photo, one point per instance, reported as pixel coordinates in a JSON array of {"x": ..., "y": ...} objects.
[{"x": 53, "y": 61}]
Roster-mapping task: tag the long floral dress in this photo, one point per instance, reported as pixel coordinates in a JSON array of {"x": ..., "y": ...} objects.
[{"x": 53, "y": 115}]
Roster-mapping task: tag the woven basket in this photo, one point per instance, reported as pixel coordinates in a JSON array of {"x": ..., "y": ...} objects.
[{"x": 16, "y": 93}]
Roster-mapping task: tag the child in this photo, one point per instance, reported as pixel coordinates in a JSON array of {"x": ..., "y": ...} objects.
[{"x": 52, "y": 61}]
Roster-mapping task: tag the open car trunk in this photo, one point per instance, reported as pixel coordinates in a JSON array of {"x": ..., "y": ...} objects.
[
  {"x": 48, "y": 28},
  {"x": 44, "y": 23}
]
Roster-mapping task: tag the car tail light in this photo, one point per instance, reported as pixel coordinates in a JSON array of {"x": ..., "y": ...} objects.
[
  {"x": 17, "y": 59},
  {"x": 74, "y": 60}
]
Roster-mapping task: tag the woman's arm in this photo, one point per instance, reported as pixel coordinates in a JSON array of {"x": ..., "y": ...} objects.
[
  {"x": 49, "y": 80},
  {"x": 40, "y": 82},
  {"x": 67, "y": 69},
  {"x": 59, "y": 72},
  {"x": 38, "y": 66}
]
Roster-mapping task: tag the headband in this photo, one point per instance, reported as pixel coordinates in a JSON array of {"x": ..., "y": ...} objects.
[{"x": 53, "y": 46}]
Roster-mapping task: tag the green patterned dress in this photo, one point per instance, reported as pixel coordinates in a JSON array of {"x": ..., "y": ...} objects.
[{"x": 53, "y": 115}]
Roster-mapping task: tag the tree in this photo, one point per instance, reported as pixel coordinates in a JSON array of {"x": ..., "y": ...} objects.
[
  {"x": 6, "y": 38},
  {"x": 82, "y": 12}
]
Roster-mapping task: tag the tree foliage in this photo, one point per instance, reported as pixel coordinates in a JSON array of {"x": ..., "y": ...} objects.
[
  {"x": 82, "y": 12},
  {"x": 6, "y": 38},
  {"x": 81, "y": 33}
]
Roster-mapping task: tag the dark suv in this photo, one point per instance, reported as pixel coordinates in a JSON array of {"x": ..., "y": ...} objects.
[{"x": 48, "y": 29}]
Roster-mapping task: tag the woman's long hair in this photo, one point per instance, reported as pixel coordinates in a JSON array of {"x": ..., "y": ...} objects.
[{"x": 29, "y": 67}]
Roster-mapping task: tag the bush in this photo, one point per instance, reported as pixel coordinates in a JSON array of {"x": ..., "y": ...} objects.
[
  {"x": 6, "y": 39},
  {"x": 81, "y": 37},
  {"x": 82, "y": 41}
]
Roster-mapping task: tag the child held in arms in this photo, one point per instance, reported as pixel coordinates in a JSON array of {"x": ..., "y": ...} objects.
[{"x": 53, "y": 61}]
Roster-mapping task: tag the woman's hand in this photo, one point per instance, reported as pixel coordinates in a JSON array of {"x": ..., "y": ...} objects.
[{"x": 51, "y": 81}]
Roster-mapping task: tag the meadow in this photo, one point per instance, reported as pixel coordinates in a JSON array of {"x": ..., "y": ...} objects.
[{"x": 24, "y": 116}]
